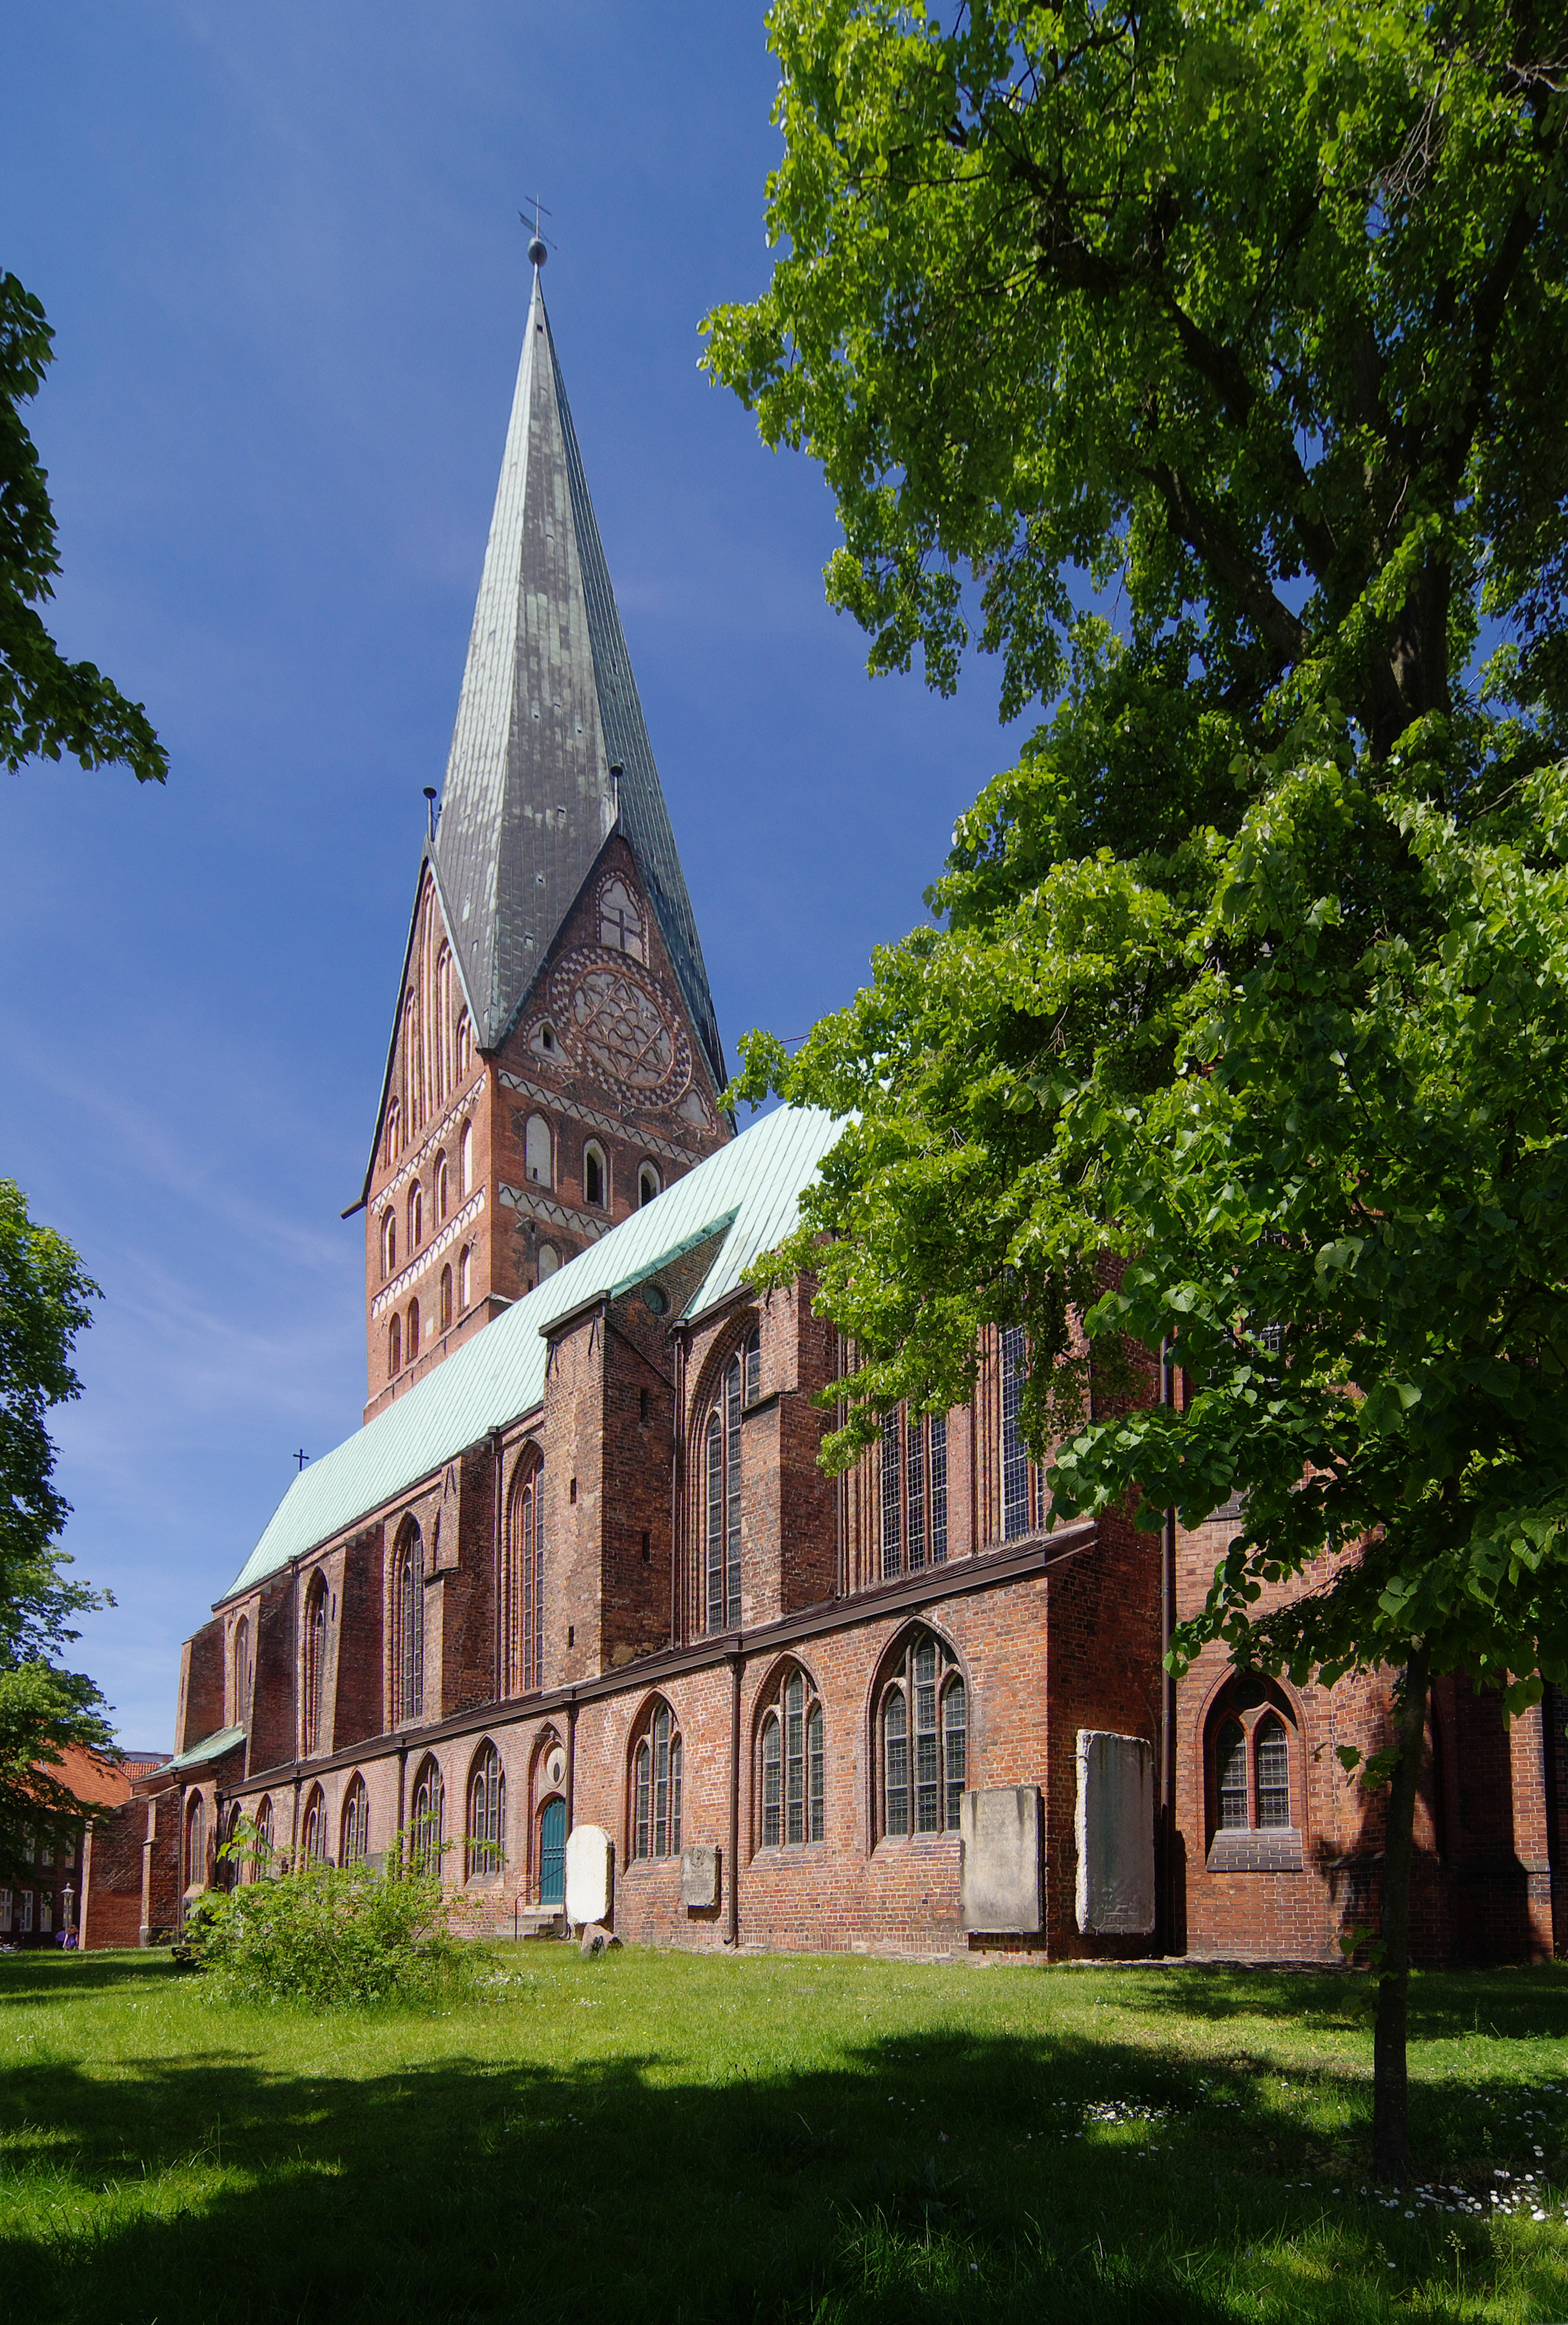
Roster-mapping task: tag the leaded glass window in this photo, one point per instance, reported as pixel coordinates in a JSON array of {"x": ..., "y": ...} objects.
[
  {"x": 913, "y": 1491},
  {"x": 793, "y": 1788},
  {"x": 487, "y": 1829},
  {"x": 1017, "y": 1514},
  {"x": 722, "y": 1482},
  {"x": 924, "y": 1740},
  {"x": 408, "y": 1624},
  {"x": 355, "y": 1823},
  {"x": 657, "y": 1789},
  {"x": 522, "y": 1590},
  {"x": 1230, "y": 1776},
  {"x": 1271, "y": 1763}
]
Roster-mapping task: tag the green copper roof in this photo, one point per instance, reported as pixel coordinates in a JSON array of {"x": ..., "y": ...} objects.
[
  {"x": 210, "y": 1747},
  {"x": 749, "y": 1190}
]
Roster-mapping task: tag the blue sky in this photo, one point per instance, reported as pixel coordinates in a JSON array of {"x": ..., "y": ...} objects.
[{"x": 279, "y": 249}]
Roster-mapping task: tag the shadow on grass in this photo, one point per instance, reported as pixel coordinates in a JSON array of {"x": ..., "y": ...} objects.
[
  {"x": 936, "y": 2173},
  {"x": 1518, "y": 2004},
  {"x": 35, "y": 1976}
]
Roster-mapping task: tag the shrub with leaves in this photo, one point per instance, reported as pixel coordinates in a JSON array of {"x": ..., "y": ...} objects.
[{"x": 328, "y": 1934}]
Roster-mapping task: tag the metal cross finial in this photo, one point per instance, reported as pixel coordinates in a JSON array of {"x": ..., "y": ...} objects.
[
  {"x": 301, "y": 1456},
  {"x": 539, "y": 246}
]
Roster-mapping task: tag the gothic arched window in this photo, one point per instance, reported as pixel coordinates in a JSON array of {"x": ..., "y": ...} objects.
[
  {"x": 549, "y": 1260},
  {"x": 394, "y": 1346},
  {"x": 313, "y": 1831},
  {"x": 538, "y": 1152},
  {"x": 426, "y": 1825},
  {"x": 790, "y": 1762},
  {"x": 486, "y": 1826},
  {"x": 465, "y": 1276},
  {"x": 464, "y": 1045},
  {"x": 737, "y": 1384},
  {"x": 196, "y": 1843},
  {"x": 922, "y": 1756},
  {"x": 313, "y": 1660},
  {"x": 523, "y": 1590},
  {"x": 408, "y": 1624},
  {"x": 261, "y": 1861},
  {"x": 446, "y": 1303},
  {"x": 465, "y": 1150},
  {"x": 240, "y": 1663},
  {"x": 443, "y": 1020},
  {"x": 913, "y": 1491},
  {"x": 648, "y": 1184},
  {"x": 595, "y": 1176},
  {"x": 620, "y": 923},
  {"x": 656, "y": 1788},
  {"x": 412, "y": 1339},
  {"x": 392, "y": 1144},
  {"x": 441, "y": 1188},
  {"x": 388, "y": 1242},
  {"x": 1250, "y": 1734},
  {"x": 1025, "y": 1501},
  {"x": 415, "y": 1217},
  {"x": 356, "y": 1840}
]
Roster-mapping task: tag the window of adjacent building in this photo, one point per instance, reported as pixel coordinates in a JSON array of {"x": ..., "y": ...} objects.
[
  {"x": 46, "y": 1911},
  {"x": 415, "y": 1217},
  {"x": 465, "y": 1151},
  {"x": 738, "y": 1382},
  {"x": 791, "y": 1786},
  {"x": 314, "y": 1659},
  {"x": 620, "y": 923},
  {"x": 486, "y": 1827},
  {"x": 196, "y": 1844},
  {"x": 913, "y": 1491},
  {"x": 24, "y": 1921},
  {"x": 595, "y": 1177},
  {"x": 427, "y": 1822},
  {"x": 355, "y": 1836},
  {"x": 394, "y": 1346},
  {"x": 523, "y": 1589},
  {"x": 538, "y": 1151},
  {"x": 411, "y": 1332},
  {"x": 388, "y": 1242},
  {"x": 441, "y": 1188},
  {"x": 1024, "y": 1499},
  {"x": 313, "y": 1830},
  {"x": 239, "y": 1660},
  {"x": 549, "y": 1260},
  {"x": 1251, "y": 1762},
  {"x": 656, "y": 1788},
  {"x": 446, "y": 1307},
  {"x": 408, "y": 1624},
  {"x": 4, "y": 1913},
  {"x": 922, "y": 1718},
  {"x": 465, "y": 1277}
]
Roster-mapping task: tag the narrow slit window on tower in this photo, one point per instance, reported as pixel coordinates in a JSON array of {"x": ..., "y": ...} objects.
[
  {"x": 395, "y": 1347},
  {"x": 648, "y": 1183},
  {"x": 465, "y": 1150},
  {"x": 411, "y": 1341},
  {"x": 415, "y": 1217},
  {"x": 594, "y": 1176},
  {"x": 388, "y": 1243},
  {"x": 442, "y": 1189},
  {"x": 446, "y": 1299},
  {"x": 465, "y": 1276},
  {"x": 538, "y": 1152}
]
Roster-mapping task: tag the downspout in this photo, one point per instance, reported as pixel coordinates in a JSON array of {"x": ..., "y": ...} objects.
[
  {"x": 571, "y": 1757},
  {"x": 1167, "y": 1832},
  {"x": 736, "y": 1659}
]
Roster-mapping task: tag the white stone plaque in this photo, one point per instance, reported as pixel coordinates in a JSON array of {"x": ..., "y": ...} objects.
[{"x": 589, "y": 1867}]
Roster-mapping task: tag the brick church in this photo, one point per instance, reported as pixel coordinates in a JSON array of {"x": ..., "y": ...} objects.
[{"x": 579, "y": 1570}]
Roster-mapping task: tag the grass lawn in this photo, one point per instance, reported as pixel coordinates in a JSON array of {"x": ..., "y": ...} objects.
[{"x": 794, "y": 2137}]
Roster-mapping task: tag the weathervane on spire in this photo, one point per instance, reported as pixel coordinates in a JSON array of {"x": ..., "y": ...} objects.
[{"x": 538, "y": 248}]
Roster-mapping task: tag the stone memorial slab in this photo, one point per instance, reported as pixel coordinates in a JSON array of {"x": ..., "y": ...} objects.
[
  {"x": 589, "y": 1874},
  {"x": 1116, "y": 1834},
  {"x": 699, "y": 1875},
  {"x": 1000, "y": 1860}
]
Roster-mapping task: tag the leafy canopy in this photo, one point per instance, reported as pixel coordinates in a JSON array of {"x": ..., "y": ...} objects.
[
  {"x": 44, "y": 1302},
  {"x": 47, "y": 706},
  {"x": 1246, "y": 1028}
]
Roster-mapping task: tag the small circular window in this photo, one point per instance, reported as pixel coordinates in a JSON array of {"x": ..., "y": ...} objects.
[{"x": 655, "y": 1297}]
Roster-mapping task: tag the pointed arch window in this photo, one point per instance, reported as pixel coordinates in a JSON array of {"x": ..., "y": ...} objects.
[
  {"x": 648, "y": 1188},
  {"x": 465, "y": 1276},
  {"x": 549, "y": 1260},
  {"x": 620, "y": 923},
  {"x": 446, "y": 1299},
  {"x": 408, "y": 1624},
  {"x": 196, "y": 1844},
  {"x": 415, "y": 1217},
  {"x": 791, "y": 1764},
  {"x": 427, "y": 1824},
  {"x": 442, "y": 1190},
  {"x": 721, "y": 1461},
  {"x": 411, "y": 1341},
  {"x": 388, "y": 1242},
  {"x": 913, "y": 1491},
  {"x": 523, "y": 1590},
  {"x": 595, "y": 1177},
  {"x": 486, "y": 1824},
  {"x": 1025, "y": 1501},
  {"x": 538, "y": 1152},
  {"x": 656, "y": 1788},
  {"x": 1251, "y": 1748},
  {"x": 923, "y": 1741},
  {"x": 394, "y": 1346},
  {"x": 313, "y": 1658},
  {"x": 465, "y": 1151},
  {"x": 240, "y": 1661},
  {"x": 261, "y": 1863},
  {"x": 355, "y": 1836},
  {"x": 313, "y": 1831},
  {"x": 392, "y": 1143},
  {"x": 464, "y": 1045},
  {"x": 443, "y": 1020}
]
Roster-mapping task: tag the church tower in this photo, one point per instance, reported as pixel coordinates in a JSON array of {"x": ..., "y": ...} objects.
[{"x": 555, "y": 1060}]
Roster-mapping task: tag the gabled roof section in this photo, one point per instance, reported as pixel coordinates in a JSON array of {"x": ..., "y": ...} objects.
[
  {"x": 549, "y": 704},
  {"x": 748, "y": 1194}
]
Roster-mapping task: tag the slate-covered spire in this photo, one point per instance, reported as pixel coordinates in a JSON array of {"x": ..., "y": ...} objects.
[{"x": 548, "y": 706}]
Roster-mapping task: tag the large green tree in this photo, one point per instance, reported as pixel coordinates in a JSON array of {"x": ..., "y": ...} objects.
[
  {"x": 44, "y": 1302},
  {"x": 47, "y": 706},
  {"x": 1207, "y": 356}
]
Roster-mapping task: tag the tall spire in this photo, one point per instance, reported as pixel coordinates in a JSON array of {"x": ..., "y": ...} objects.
[{"x": 549, "y": 704}]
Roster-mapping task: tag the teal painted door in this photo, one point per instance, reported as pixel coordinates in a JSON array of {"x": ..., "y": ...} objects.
[{"x": 552, "y": 1854}]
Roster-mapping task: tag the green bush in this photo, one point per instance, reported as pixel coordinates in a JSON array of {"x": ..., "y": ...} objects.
[{"x": 328, "y": 1934}]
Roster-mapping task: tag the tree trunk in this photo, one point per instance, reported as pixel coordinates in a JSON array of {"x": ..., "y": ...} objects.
[{"x": 1390, "y": 2080}]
